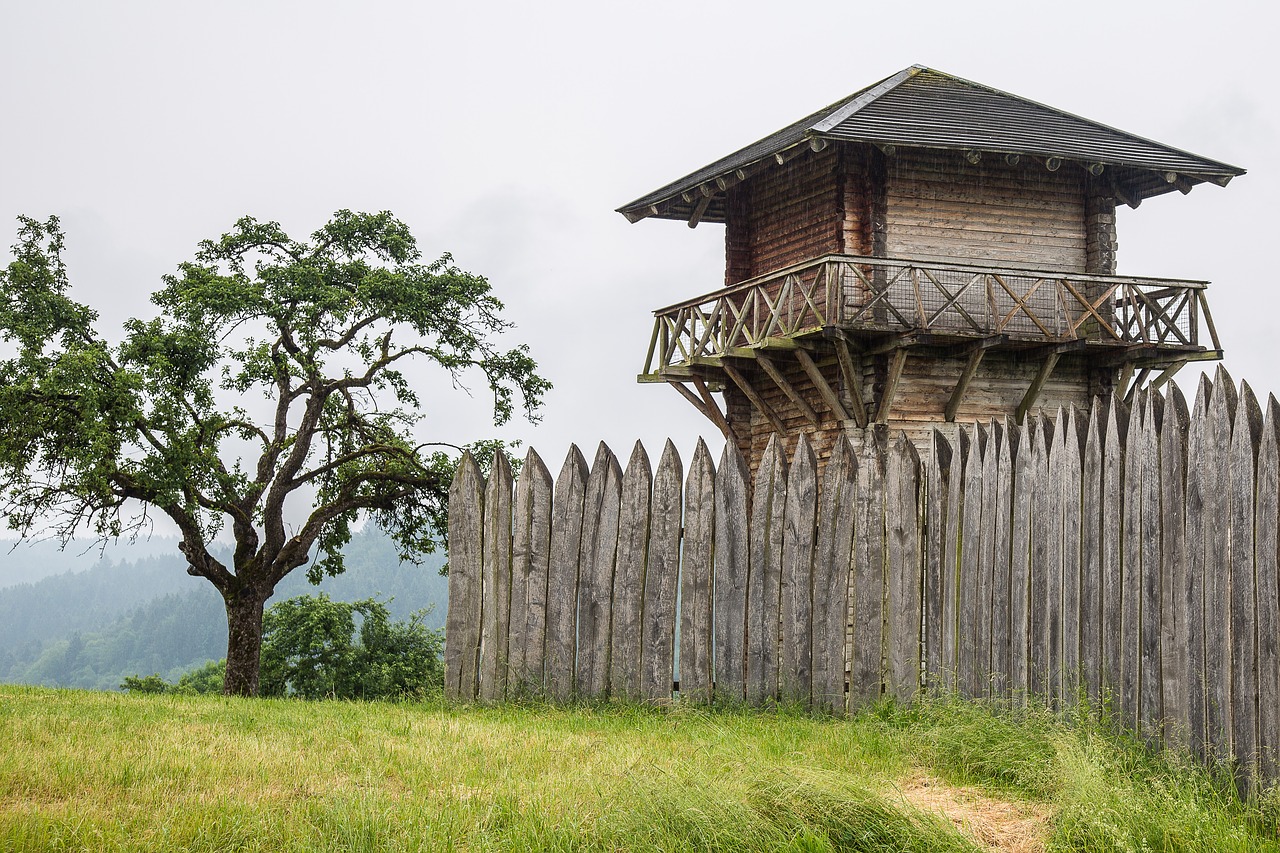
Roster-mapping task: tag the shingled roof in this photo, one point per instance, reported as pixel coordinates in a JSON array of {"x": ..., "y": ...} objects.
[{"x": 924, "y": 108}]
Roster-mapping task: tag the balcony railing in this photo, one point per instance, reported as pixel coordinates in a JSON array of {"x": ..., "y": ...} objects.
[{"x": 946, "y": 299}]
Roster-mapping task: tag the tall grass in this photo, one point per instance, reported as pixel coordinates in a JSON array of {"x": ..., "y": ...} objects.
[{"x": 99, "y": 771}]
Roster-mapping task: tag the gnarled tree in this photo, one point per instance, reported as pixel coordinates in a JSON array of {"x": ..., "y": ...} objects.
[{"x": 267, "y": 398}]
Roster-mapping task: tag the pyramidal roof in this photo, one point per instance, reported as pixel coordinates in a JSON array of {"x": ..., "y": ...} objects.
[{"x": 923, "y": 108}]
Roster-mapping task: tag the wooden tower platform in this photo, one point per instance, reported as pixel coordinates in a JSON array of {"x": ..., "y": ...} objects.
[{"x": 927, "y": 251}]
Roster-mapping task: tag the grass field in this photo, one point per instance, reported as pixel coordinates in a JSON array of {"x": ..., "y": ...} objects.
[{"x": 102, "y": 771}]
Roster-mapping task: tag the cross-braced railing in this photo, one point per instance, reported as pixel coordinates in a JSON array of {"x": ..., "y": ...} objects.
[{"x": 881, "y": 294}]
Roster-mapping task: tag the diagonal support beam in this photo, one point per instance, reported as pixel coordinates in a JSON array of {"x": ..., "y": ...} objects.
[
  {"x": 852, "y": 381},
  {"x": 891, "y": 385},
  {"x": 1166, "y": 374},
  {"x": 1037, "y": 385},
  {"x": 819, "y": 381},
  {"x": 966, "y": 376},
  {"x": 756, "y": 400},
  {"x": 707, "y": 407},
  {"x": 787, "y": 388},
  {"x": 713, "y": 408}
]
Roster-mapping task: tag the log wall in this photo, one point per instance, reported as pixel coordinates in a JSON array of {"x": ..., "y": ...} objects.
[{"x": 1124, "y": 556}]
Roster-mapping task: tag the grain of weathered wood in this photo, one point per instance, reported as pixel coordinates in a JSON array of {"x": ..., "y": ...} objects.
[
  {"x": 1001, "y": 580},
  {"x": 866, "y": 673},
  {"x": 831, "y": 569},
  {"x": 562, "y": 575},
  {"x": 1092, "y": 521},
  {"x": 956, "y": 489},
  {"x": 657, "y": 642},
  {"x": 982, "y": 629},
  {"x": 1051, "y": 529},
  {"x": 1020, "y": 536},
  {"x": 629, "y": 573},
  {"x": 1041, "y": 521},
  {"x": 495, "y": 591},
  {"x": 1151, "y": 680},
  {"x": 973, "y": 643},
  {"x": 937, "y": 484},
  {"x": 732, "y": 561},
  {"x": 903, "y": 572},
  {"x": 1246, "y": 436},
  {"x": 1131, "y": 571},
  {"x": 596, "y": 562},
  {"x": 1113, "y": 484},
  {"x": 696, "y": 627},
  {"x": 530, "y": 559},
  {"x": 1073, "y": 516},
  {"x": 795, "y": 672},
  {"x": 1266, "y": 549},
  {"x": 462, "y": 620},
  {"x": 1198, "y": 485},
  {"x": 1217, "y": 590},
  {"x": 764, "y": 588},
  {"x": 1175, "y": 592}
]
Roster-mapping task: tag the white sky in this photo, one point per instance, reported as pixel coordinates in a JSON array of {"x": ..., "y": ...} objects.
[{"x": 507, "y": 134}]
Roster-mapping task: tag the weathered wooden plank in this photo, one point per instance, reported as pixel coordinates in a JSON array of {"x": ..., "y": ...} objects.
[
  {"x": 629, "y": 573},
  {"x": 696, "y": 627},
  {"x": 1199, "y": 485},
  {"x": 795, "y": 673},
  {"x": 1151, "y": 691},
  {"x": 1175, "y": 596},
  {"x": 657, "y": 642},
  {"x": 1217, "y": 590},
  {"x": 1131, "y": 571},
  {"x": 956, "y": 489},
  {"x": 495, "y": 590},
  {"x": 732, "y": 561},
  {"x": 1071, "y": 471},
  {"x": 764, "y": 588},
  {"x": 1266, "y": 549},
  {"x": 562, "y": 575},
  {"x": 937, "y": 485},
  {"x": 462, "y": 620},
  {"x": 903, "y": 577},
  {"x": 985, "y": 579},
  {"x": 974, "y": 644},
  {"x": 530, "y": 559},
  {"x": 866, "y": 674},
  {"x": 1246, "y": 437},
  {"x": 1113, "y": 484},
  {"x": 1020, "y": 536},
  {"x": 1051, "y": 529},
  {"x": 831, "y": 569},
  {"x": 1041, "y": 521},
  {"x": 1001, "y": 566},
  {"x": 597, "y": 557},
  {"x": 1091, "y": 557}
]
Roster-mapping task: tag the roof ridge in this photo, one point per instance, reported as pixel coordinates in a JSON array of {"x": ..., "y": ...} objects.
[{"x": 867, "y": 96}]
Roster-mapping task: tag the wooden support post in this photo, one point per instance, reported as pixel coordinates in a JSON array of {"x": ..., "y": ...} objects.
[
  {"x": 1137, "y": 384},
  {"x": 852, "y": 381},
  {"x": 891, "y": 385},
  {"x": 756, "y": 400},
  {"x": 1046, "y": 368},
  {"x": 1166, "y": 374},
  {"x": 820, "y": 382},
  {"x": 713, "y": 407},
  {"x": 787, "y": 388},
  {"x": 966, "y": 376},
  {"x": 1126, "y": 376}
]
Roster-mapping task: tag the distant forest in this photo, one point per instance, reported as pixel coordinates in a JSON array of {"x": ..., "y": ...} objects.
[{"x": 146, "y": 615}]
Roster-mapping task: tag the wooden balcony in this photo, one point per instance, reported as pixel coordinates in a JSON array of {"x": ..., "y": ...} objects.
[{"x": 876, "y": 304}]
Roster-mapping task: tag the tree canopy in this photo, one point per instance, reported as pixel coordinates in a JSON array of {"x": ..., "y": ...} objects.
[{"x": 273, "y": 373}]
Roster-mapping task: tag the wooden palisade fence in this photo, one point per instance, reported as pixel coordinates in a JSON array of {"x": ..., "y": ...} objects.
[{"x": 1127, "y": 556}]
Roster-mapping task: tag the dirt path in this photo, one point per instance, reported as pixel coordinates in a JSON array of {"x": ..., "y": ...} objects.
[{"x": 1008, "y": 827}]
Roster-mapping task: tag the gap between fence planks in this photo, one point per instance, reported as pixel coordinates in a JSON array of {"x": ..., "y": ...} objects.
[{"x": 1126, "y": 555}]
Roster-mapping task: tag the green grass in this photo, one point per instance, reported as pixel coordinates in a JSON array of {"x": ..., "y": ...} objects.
[{"x": 101, "y": 771}]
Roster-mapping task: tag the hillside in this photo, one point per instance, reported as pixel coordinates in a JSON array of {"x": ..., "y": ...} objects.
[
  {"x": 91, "y": 628},
  {"x": 210, "y": 773}
]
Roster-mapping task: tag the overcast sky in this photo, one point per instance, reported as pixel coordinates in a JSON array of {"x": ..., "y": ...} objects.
[{"x": 507, "y": 134}]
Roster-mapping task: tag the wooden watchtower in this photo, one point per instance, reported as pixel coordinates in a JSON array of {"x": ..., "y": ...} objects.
[{"x": 924, "y": 252}]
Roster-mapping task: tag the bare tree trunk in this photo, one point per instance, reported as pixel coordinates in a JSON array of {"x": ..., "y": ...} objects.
[{"x": 244, "y": 642}]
